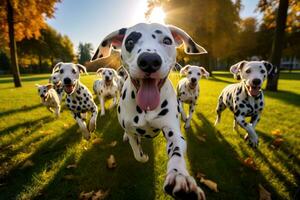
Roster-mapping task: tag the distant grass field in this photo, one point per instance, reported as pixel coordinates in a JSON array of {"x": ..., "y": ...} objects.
[{"x": 36, "y": 149}]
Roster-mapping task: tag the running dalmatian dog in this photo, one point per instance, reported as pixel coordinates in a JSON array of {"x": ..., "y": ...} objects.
[
  {"x": 245, "y": 99},
  {"x": 79, "y": 99},
  {"x": 49, "y": 98},
  {"x": 107, "y": 87},
  {"x": 188, "y": 90},
  {"x": 123, "y": 74},
  {"x": 57, "y": 86},
  {"x": 149, "y": 103}
]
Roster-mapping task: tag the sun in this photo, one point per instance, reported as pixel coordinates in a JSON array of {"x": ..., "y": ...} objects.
[{"x": 157, "y": 15}]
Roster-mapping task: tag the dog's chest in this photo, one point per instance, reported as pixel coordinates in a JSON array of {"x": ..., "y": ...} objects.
[
  {"x": 80, "y": 100},
  {"x": 188, "y": 95}
]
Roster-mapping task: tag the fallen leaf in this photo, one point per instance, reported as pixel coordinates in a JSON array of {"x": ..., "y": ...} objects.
[
  {"x": 113, "y": 143},
  {"x": 46, "y": 132},
  {"x": 86, "y": 196},
  {"x": 111, "y": 162},
  {"x": 27, "y": 163},
  {"x": 263, "y": 193},
  {"x": 100, "y": 195},
  {"x": 276, "y": 132},
  {"x": 97, "y": 141},
  {"x": 277, "y": 142},
  {"x": 71, "y": 166},
  {"x": 200, "y": 175},
  {"x": 210, "y": 184},
  {"x": 66, "y": 125},
  {"x": 69, "y": 177},
  {"x": 201, "y": 138},
  {"x": 249, "y": 162}
]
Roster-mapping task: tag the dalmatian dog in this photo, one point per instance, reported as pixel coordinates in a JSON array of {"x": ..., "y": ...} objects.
[
  {"x": 188, "y": 90},
  {"x": 49, "y": 98},
  {"x": 245, "y": 99},
  {"x": 122, "y": 76},
  {"x": 107, "y": 87},
  {"x": 148, "y": 101},
  {"x": 57, "y": 86},
  {"x": 79, "y": 99}
]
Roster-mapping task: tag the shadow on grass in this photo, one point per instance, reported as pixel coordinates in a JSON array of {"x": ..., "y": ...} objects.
[
  {"x": 28, "y": 78},
  {"x": 285, "y": 96},
  {"x": 218, "y": 79},
  {"x": 43, "y": 157},
  {"x": 22, "y": 109},
  {"x": 220, "y": 162},
  {"x": 129, "y": 180}
]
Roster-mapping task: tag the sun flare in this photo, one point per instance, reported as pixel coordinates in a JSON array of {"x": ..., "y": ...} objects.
[{"x": 157, "y": 15}]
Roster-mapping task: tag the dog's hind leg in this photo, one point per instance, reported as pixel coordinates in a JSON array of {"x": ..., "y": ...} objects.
[
  {"x": 220, "y": 108},
  {"x": 178, "y": 182},
  {"x": 135, "y": 143}
]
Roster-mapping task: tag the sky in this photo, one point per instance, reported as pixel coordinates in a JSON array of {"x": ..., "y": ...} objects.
[{"x": 89, "y": 21}]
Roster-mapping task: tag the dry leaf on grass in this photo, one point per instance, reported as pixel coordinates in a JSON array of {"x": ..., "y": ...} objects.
[
  {"x": 201, "y": 138},
  {"x": 113, "y": 143},
  {"x": 210, "y": 184},
  {"x": 100, "y": 195},
  {"x": 69, "y": 177},
  {"x": 111, "y": 162},
  {"x": 47, "y": 132},
  {"x": 249, "y": 162},
  {"x": 71, "y": 166},
  {"x": 27, "y": 163},
  {"x": 263, "y": 193},
  {"x": 66, "y": 125},
  {"x": 277, "y": 142},
  {"x": 97, "y": 141},
  {"x": 86, "y": 196},
  {"x": 276, "y": 132},
  {"x": 200, "y": 175}
]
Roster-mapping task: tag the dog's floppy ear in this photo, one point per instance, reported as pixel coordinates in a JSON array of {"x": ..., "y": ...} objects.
[
  {"x": 180, "y": 36},
  {"x": 204, "y": 72},
  {"x": 270, "y": 68},
  {"x": 81, "y": 68},
  {"x": 57, "y": 67},
  {"x": 122, "y": 72},
  {"x": 49, "y": 86},
  {"x": 99, "y": 71},
  {"x": 184, "y": 70},
  {"x": 236, "y": 68},
  {"x": 113, "y": 40}
]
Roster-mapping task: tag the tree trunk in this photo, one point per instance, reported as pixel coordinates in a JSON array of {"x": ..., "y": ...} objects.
[
  {"x": 12, "y": 45},
  {"x": 277, "y": 46}
]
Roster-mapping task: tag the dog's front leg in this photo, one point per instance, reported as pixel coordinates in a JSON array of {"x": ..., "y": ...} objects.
[
  {"x": 179, "y": 183},
  {"x": 188, "y": 121},
  {"x": 254, "y": 120},
  {"x": 253, "y": 139},
  {"x": 135, "y": 143},
  {"x": 82, "y": 125},
  {"x": 180, "y": 106},
  {"x": 114, "y": 103},
  {"x": 50, "y": 109},
  {"x": 57, "y": 111},
  {"x": 102, "y": 104},
  {"x": 93, "y": 120}
]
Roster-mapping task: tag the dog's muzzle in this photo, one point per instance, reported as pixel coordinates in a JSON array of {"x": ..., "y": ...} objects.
[
  {"x": 149, "y": 62},
  {"x": 68, "y": 85},
  {"x": 254, "y": 87}
]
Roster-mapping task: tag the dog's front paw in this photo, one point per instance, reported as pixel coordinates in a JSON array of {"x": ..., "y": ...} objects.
[
  {"x": 253, "y": 140},
  {"x": 180, "y": 186},
  {"x": 86, "y": 135},
  {"x": 142, "y": 157},
  {"x": 125, "y": 137},
  {"x": 92, "y": 126}
]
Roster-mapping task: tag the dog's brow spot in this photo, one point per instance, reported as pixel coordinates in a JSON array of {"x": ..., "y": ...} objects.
[{"x": 158, "y": 31}]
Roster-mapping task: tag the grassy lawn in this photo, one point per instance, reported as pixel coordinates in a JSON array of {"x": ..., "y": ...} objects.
[{"x": 36, "y": 149}]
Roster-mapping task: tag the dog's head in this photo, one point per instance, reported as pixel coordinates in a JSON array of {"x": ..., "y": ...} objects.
[
  {"x": 54, "y": 79},
  {"x": 107, "y": 74},
  {"x": 193, "y": 74},
  {"x": 122, "y": 72},
  {"x": 148, "y": 51},
  {"x": 69, "y": 75},
  {"x": 253, "y": 74},
  {"x": 43, "y": 90}
]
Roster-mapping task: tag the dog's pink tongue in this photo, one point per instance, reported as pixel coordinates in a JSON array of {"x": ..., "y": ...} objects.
[
  {"x": 148, "y": 95},
  {"x": 254, "y": 91},
  {"x": 68, "y": 88}
]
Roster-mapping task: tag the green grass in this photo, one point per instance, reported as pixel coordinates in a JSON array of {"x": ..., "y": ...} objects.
[{"x": 29, "y": 132}]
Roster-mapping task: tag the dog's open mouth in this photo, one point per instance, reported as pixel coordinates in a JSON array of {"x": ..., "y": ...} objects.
[
  {"x": 253, "y": 90},
  {"x": 148, "y": 92},
  {"x": 69, "y": 88}
]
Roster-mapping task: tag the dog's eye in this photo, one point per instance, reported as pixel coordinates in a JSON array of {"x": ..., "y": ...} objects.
[
  {"x": 167, "y": 41},
  {"x": 198, "y": 74},
  {"x": 190, "y": 72},
  {"x": 130, "y": 43},
  {"x": 73, "y": 71},
  {"x": 248, "y": 71},
  {"x": 110, "y": 73},
  {"x": 262, "y": 71},
  {"x": 61, "y": 71}
]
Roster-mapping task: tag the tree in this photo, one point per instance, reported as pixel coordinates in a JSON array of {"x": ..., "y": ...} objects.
[
  {"x": 84, "y": 52},
  {"x": 22, "y": 19}
]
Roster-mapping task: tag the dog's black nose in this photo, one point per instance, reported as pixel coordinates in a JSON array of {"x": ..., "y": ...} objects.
[
  {"x": 149, "y": 62},
  {"x": 256, "y": 81},
  {"x": 106, "y": 78},
  {"x": 42, "y": 95},
  {"x": 67, "y": 81},
  {"x": 193, "y": 80}
]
